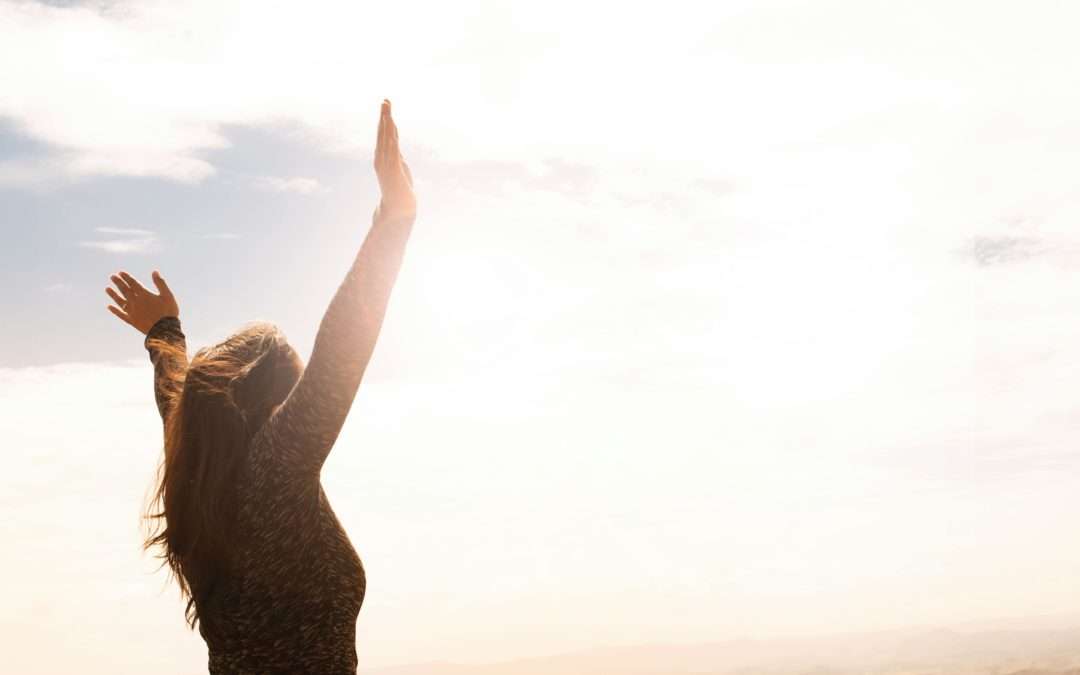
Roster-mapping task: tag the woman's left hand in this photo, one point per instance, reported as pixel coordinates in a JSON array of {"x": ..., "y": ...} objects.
[{"x": 139, "y": 307}]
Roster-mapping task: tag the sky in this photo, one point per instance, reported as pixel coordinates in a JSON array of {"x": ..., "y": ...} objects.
[{"x": 718, "y": 320}]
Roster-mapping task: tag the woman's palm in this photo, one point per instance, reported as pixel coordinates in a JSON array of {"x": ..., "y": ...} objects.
[{"x": 139, "y": 307}]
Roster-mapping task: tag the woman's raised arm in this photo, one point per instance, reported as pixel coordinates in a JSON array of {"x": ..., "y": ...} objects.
[
  {"x": 157, "y": 316},
  {"x": 303, "y": 428}
]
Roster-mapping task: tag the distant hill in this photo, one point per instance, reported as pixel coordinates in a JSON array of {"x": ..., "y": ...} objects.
[{"x": 922, "y": 652}]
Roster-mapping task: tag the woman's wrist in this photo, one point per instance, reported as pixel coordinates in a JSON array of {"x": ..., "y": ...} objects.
[{"x": 164, "y": 325}]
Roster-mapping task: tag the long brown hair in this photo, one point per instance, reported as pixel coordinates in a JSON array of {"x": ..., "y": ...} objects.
[{"x": 217, "y": 403}]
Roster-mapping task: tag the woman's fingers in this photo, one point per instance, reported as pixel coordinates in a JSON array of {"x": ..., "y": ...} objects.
[
  {"x": 121, "y": 284},
  {"x": 159, "y": 283},
  {"x": 133, "y": 283},
  {"x": 380, "y": 140},
  {"x": 394, "y": 151},
  {"x": 120, "y": 314},
  {"x": 116, "y": 297}
]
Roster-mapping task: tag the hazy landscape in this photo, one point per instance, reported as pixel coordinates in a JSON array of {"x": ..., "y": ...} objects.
[{"x": 902, "y": 652}]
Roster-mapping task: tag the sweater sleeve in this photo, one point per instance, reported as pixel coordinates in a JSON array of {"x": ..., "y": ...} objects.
[
  {"x": 168, "y": 352},
  {"x": 303, "y": 429}
]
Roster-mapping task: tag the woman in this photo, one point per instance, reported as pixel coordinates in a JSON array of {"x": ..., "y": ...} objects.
[{"x": 244, "y": 525}]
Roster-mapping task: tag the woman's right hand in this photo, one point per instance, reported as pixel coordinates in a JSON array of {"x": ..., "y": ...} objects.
[
  {"x": 395, "y": 180},
  {"x": 139, "y": 307}
]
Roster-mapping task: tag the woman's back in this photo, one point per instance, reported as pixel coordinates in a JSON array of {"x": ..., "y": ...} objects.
[
  {"x": 292, "y": 601},
  {"x": 295, "y": 584}
]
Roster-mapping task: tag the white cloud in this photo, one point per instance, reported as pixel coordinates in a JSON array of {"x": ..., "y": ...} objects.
[
  {"x": 813, "y": 133},
  {"x": 296, "y": 184},
  {"x": 124, "y": 230},
  {"x": 155, "y": 82},
  {"x": 123, "y": 240},
  {"x": 121, "y": 245}
]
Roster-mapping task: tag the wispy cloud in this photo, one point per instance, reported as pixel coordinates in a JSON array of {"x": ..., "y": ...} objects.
[
  {"x": 124, "y": 231},
  {"x": 999, "y": 250},
  {"x": 221, "y": 236},
  {"x": 123, "y": 240},
  {"x": 297, "y": 184}
]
